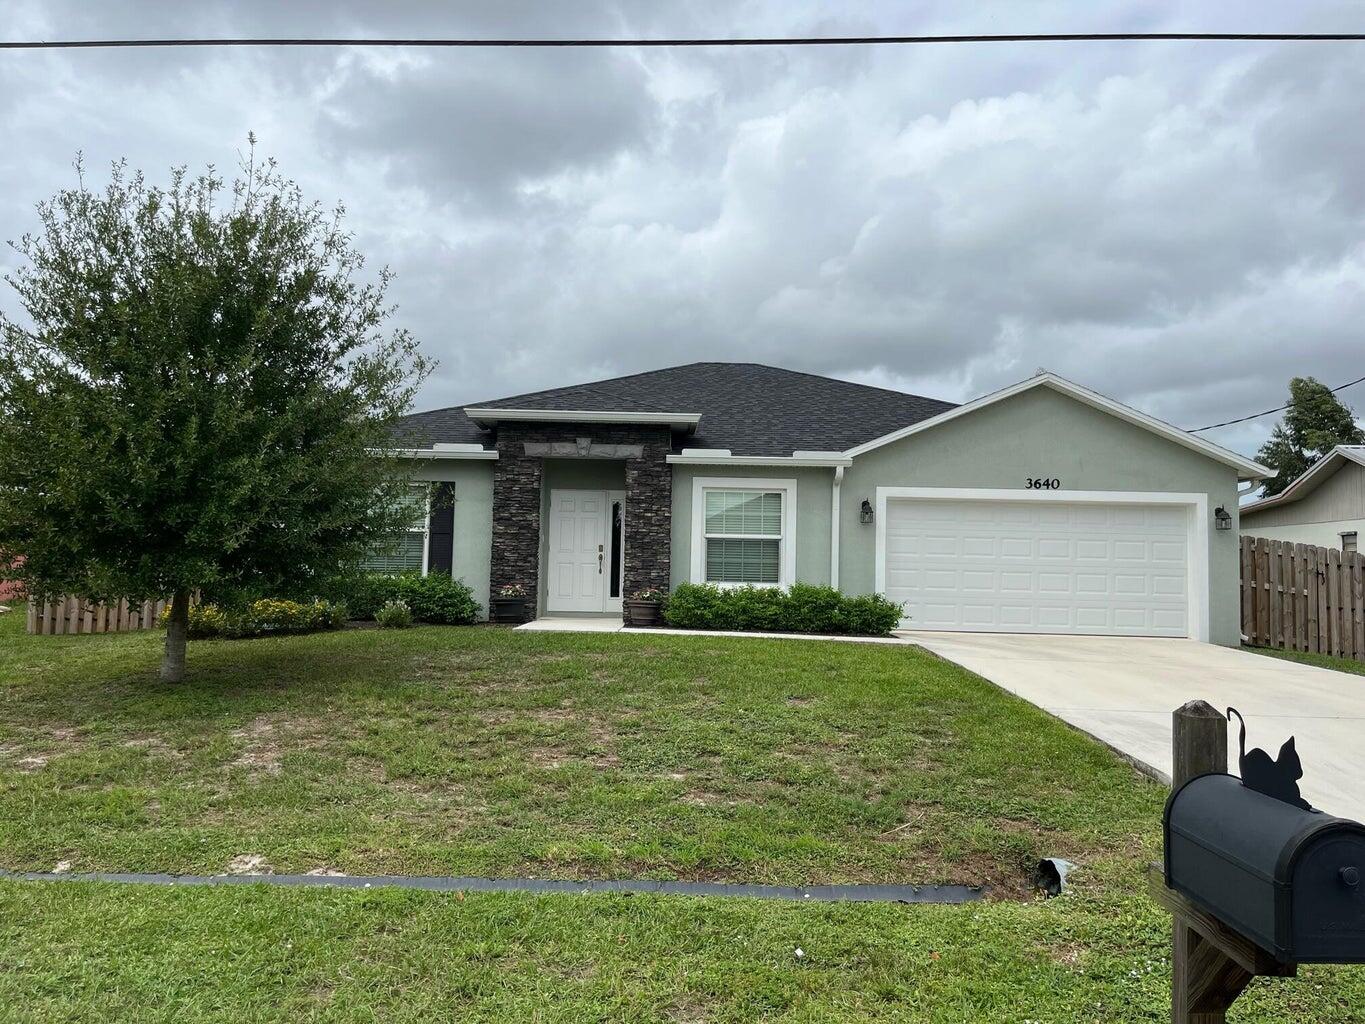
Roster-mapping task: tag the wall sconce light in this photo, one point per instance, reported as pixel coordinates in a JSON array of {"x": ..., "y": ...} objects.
[
  {"x": 865, "y": 512},
  {"x": 1222, "y": 518}
]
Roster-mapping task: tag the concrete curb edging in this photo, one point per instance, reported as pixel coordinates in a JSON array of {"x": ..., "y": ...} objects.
[{"x": 949, "y": 894}]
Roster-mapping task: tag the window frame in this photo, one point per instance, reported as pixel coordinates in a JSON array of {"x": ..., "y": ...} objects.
[
  {"x": 424, "y": 530},
  {"x": 786, "y": 542}
]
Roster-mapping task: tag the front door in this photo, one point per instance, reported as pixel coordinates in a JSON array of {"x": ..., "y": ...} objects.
[{"x": 580, "y": 532}]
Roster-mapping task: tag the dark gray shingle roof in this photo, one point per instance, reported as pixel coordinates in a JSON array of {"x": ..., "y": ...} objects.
[{"x": 749, "y": 408}]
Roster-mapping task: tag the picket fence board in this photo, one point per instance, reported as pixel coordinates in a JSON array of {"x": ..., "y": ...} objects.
[{"x": 68, "y": 615}]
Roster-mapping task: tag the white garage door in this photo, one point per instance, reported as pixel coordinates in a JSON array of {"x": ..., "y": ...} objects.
[{"x": 1039, "y": 567}]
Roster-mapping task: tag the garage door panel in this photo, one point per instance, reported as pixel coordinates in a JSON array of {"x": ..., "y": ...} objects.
[{"x": 1039, "y": 566}]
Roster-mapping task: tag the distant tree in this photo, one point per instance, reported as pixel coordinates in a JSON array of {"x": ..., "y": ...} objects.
[
  {"x": 1315, "y": 423},
  {"x": 197, "y": 396}
]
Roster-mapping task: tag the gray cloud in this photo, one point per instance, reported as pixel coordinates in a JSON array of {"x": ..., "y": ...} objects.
[{"x": 1178, "y": 225}]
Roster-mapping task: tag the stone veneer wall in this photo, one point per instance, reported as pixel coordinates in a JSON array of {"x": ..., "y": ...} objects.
[{"x": 517, "y": 480}]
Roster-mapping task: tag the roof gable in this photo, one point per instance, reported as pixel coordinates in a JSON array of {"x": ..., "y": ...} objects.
[
  {"x": 1312, "y": 478},
  {"x": 1246, "y": 467}
]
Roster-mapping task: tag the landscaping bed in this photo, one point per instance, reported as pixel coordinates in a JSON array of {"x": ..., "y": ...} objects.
[{"x": 492, "y": 752}]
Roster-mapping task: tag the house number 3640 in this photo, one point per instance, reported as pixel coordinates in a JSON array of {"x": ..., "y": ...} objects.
[{"x": 1042, "y": 483}]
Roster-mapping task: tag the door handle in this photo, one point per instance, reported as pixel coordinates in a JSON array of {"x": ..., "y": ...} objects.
[{"x": 599, "y": 559}]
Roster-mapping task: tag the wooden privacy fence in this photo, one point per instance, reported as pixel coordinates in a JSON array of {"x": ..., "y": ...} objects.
[
  {"x": 1303, "y": 598},
  {"x": 76, "y": 615}
]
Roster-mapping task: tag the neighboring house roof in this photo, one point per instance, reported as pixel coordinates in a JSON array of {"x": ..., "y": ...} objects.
[
  {"x": 757, "y": 410},
  {"x": 749, "y": 408},
  {"x": 1314, "y": 476}
]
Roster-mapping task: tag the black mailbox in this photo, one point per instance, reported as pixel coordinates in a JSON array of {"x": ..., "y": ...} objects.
[{"x": 1288, "y": 879}]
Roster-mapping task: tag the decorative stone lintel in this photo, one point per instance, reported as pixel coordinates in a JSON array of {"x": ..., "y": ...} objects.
[{"x": 582, "y": 448}]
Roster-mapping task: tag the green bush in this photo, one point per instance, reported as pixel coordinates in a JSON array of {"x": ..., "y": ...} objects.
[
  {"x": 435, "y": 598},
  {"x": 804, "y": 608},
  {"x": 394, "y": 615},
  {"x": 263, "y": 618}
]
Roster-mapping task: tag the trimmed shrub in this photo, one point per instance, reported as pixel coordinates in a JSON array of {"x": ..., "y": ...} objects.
[
  {"x": 267, "y": 617},
  {"x": 435, "y": 598},
  {"x": 804, "y": 608},
  {"x": 394, "y": 615}
]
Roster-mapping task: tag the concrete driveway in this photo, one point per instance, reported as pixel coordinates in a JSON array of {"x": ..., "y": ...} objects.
[{"x": 1122, "y": 691}]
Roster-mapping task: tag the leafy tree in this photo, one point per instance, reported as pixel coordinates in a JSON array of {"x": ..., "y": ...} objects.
[
  {"x": 196, "y": 399},
  {"x": 1315, "y": 423}
]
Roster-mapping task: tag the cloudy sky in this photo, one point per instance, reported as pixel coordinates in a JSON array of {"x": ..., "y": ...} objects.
[{"x": 1179, "y": 225}]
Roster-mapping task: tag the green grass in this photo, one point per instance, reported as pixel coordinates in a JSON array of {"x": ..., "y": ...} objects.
[
  {"x": 1355, "y": 668},
  {"x": 482, "y": 751}
]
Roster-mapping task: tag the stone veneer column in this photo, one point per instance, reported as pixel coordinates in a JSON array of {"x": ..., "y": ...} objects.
[
  {"x": 649, "y": 513},
  {"x": 516, "y": 517}
]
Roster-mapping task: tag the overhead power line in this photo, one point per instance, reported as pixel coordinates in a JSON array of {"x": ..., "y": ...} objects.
[
  {"x": 1269, "y": 412},
  {"x": 1047, "y": 37}
]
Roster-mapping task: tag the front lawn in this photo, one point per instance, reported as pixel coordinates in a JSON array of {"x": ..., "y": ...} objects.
[
  {"x": 1348, "y": 665},
  {"x": 488, "y": 752},
  {"x": 484, "y": 751}
]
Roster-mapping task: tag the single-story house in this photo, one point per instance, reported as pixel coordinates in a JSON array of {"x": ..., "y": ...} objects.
[
  {"x": 1325, "y": 506},
  {"x": 1043, "y": 507}
]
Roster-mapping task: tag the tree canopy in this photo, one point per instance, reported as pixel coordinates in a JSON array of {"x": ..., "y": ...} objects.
[
  {"x": 1315, "y": 422},
  {"x": 202, "y": 395}
]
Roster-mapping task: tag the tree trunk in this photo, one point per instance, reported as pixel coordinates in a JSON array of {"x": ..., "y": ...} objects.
[{"x": 177, "y": 632}]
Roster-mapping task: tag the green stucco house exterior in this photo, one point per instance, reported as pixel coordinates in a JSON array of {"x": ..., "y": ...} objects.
[{"x": 1044, "y": 507}]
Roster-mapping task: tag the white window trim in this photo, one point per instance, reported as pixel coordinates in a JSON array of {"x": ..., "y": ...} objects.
[
  {"x": 1198, "y": 526},
  {"x": 426, "y": 528},
  {"x": 786, "y": 545}
]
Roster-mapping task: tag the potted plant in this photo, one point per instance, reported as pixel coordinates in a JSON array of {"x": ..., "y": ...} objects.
[
  {"x": 644, "y": 607},
  {"x": 509, "y": 604}
]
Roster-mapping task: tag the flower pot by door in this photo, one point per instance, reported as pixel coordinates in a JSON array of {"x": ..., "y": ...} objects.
[
  {"x": 642, "y": 613},
  {"x": 507, "y": 609}
]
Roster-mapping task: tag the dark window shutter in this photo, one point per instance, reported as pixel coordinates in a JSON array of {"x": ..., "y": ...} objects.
[{"x": 441, "y": 530}]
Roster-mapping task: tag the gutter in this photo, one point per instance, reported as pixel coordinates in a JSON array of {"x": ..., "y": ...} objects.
[
  {"x": 834, "y": 527},
  {"x": 722, "y": 457},
  {"x": 459, "y": 452}
]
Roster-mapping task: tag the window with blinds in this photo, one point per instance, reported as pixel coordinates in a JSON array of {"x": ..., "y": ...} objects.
[
  {"x": 404, "y": 551},
  {"x": 743, "y": 536}
]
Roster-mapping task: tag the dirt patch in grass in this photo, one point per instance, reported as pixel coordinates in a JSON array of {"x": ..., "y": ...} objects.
[
  {"x": 707, "y": 798},
  {"x": 248, "y": 864},
  {"x": 153, "y": 745},
  {"x": 261, "y": 752}
]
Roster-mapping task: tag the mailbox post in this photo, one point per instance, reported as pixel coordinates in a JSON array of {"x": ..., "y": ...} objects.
[{"x": 1210, "y": 964}]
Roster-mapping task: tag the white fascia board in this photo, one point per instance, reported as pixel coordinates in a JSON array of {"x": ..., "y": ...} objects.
[
  {"x": 483, "y": 454},
  {"x": 1246, "y": 468},
  {"x": 1306, "y": 484},
  {"x": 688, "y": 458},
  {"x": 676, "y": 420}
]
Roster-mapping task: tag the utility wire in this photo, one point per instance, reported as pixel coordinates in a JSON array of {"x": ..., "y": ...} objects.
[
  {"x": 1051, "y": 37},
  {"x": 1268, "y": 412}
]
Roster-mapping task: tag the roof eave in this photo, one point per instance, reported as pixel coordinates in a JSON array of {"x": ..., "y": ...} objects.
[{"x": 831, "y": 461}]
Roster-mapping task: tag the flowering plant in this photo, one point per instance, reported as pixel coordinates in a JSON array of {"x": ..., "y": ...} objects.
[
  {"x": 512, "y": 592},
  {"x": 649, "y": 594}
]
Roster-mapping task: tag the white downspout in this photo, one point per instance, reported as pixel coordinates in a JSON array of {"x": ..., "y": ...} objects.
[{"x": 834, "y": 528}]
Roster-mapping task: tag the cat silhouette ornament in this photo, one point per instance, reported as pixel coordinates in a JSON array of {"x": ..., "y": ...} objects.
[{"x": 1278, "y": 778}]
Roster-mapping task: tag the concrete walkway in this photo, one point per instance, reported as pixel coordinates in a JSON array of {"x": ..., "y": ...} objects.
[{"x": 1123, "y": 690}]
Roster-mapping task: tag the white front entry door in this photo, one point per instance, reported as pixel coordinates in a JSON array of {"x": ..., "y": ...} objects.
[
  {"x": 1040, "y": 567},
  {"x": 579, "y": 522}
]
